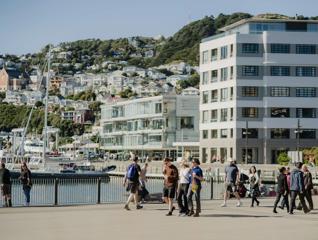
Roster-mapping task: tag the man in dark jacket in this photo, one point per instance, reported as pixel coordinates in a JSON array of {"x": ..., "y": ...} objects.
[
  {"x": 297, "y": 188},
  {"x": 5, "y": 184},
  {"x": 308, "y": 186},
  {"x": 282, "y": 189}
]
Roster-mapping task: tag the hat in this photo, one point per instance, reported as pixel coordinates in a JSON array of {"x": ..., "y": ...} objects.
[{"x": 197, "y": 161}]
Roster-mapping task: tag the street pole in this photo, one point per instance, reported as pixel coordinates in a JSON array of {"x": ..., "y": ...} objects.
[
  {"x": 246, "y": 140},
  {"x": 298, "y": 140}
]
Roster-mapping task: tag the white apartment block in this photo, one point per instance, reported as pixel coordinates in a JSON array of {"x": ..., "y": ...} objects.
[
  {"x": 152, "y": 126},
  {"x": 259, "y": 75}
]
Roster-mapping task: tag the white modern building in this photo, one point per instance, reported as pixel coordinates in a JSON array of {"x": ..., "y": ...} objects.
[
  {"x": 153, "y": 126},
  {"x": 259, "y": 75}
]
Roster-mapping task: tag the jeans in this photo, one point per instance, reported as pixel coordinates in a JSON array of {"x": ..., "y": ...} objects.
[
  {"x": 285, "y": 200},
  {"x": 182, "y": 197},
  {"x": 197, "y": 199},
  {"x": 293, "y": 195},
  {"x": 26, "y": 191}
]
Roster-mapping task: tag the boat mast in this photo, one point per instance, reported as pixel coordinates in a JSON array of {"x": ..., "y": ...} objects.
[{"x": 45, "y": 138}]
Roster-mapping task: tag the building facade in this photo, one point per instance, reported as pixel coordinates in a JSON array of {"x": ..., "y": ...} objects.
[
  {"x": 150, "y": 126},
  {"x": 258, "y": 80}
]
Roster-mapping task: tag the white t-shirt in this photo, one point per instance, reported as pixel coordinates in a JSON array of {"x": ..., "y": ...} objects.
[{"x": 184, "y": 175}]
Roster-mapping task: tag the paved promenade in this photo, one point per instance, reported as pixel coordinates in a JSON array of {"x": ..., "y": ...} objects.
[{"x": 112, "y": 222}]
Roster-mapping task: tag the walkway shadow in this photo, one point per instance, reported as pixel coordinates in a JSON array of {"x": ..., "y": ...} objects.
[{"x": 236, "y": 216}]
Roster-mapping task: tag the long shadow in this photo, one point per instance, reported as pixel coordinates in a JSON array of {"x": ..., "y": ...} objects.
[{"x": 236, "y": 216}]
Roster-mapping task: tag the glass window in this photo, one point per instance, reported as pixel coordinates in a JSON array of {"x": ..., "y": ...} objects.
[
  {"x": 252, "y": 133},
  {"x": 306, "y": 112},
  {"x": 205, "y": 56},
  {"x": 250, "y": 48},
  {"x": 205, "y": 76},
  {"x": 158, "y": 108},
  {"x": 280, "y": 71},
  {"x": 223, "y": 74},
  {"x": 224, "y": 94},
  {"x": 307, "y": 134},
  {"x": 223, "y": 154},
  {"x": 231, "y": 93},
  {"x": 231, "y": 133},
  {"x": 231, "y": 114},
  {"x": 224, "y": 133},
  {"x": 280, "y": 48},
  {"x": 305, "y": 49},
  {"x": 214, "y": 54},
  {"x": 250, "y": 70},
  {"x": 187, "y": 122},
  {"x": 223, "y": 114},
  {"x": 214, "y": 115},
  {"x": 214, "y": 95},
  {"x": 205, "y": 134},
  {"x": 250, "y": 112},
  {"x": 205, "y": 97},
  {"x": 306, "y": 71},
  {"x": 204, "y": 116},
  {"x": 279, "y": 91},
  {"x": 231, "y": 72},
  {"x": 231, "y": 50},
  {"x": 213, "y": 155},
  {"x": 279, "y": 112},
  {"x": 214, "y": 75},
  {"x": 223, "y": 52},
  {"x": 214, "y": 133},
  {"x": 280, "y": 133},
  {"x": 306, "y": 92},
  {"x": 250, "y": 91}
]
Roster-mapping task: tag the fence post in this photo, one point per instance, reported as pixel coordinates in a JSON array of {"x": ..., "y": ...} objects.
[
  {"x": 99, "y": 181},
  {"x": 56, "y": 187},
  {"x": 211, "y": 196}
]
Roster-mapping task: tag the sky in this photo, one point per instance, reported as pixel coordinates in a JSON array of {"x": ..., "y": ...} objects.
[{"x": 28, "y": 25}]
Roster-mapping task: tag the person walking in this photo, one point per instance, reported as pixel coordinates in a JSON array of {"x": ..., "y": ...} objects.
[
  {"x": 283, "y": 202},
  {"x": 231, "y": 181},
  {"x": 297, "y": 188},
  {"x": 254, "y": 185},
  {"x": 171, "y": 177},
  {"x": 5, "y": 184},
  {"x": 143, "y": 179},
  {"x": 25, "y": 178},
  {"x": 131, "y": 182},
  {"x": 282, "y": 189},
  {"x": 195, "y": 188},
  {"x": 308, "y": 186},
  {"x": 183, "y": 188}
]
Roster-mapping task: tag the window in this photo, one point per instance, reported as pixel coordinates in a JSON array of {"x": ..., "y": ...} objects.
[
  {"x": 214, "y": 54},
  {"x": 231, "y": 72},
  {"x": 250, "y": 48},
  {"x": 204, "y": 116},
  {"x": 305, "y": 49},
  {"x": 187, "y": 122},
  {"x": 280, "y": 71},
  {"x": 306, "y": 71},
  {"x": 231, "y": 133},
  {"x": 205, "y": 97},
  {"x": 213, "y": 155},
  {"x": 279, "y": 91},
  {"x": 249, "y": 112},
  {"x": 214, "y": 75},
  {"x": 223, "y": 52},
  {"x": 306, "y": 92},
  {"x": 205, "y": 76},
  {"x": 223, "y": 74},
  {"x": 205, "y": 57},
  {"x": 158, "y": 108},
  {"x": 214, "y": 95},
  {"x": 231, "y": 93},
  {"x": 214, "y": 133},
  {"x": 307, "y": 134},
  {"x": 250, "y": 71},
  {"x": 223, "y": 114},
  {"x": 280, "y": 48},
  {"x": 214, "y": 115},
  {"x": 205, "y": 134},
  {"x": 231, "y": 114},
  {"x": 252, "y": 133},
  {"x": 279, "y": 112},
  {"x": 223, "y": 154},
  {"x": 280, "y": 133},
  {"x": 306, "y": 112},
  {"x": 224, "y": 94},
  {"x": 155, "y": 138},
  {"x": 224, "y": 133},
  {"x": 231, "y": 50},
  {"x": 250, "y": 91}
]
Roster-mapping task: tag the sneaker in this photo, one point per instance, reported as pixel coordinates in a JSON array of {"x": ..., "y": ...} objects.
[
  {"x": 169, "y": 214},
  {"x": 127, "y": 208},
  {"x": 139, "y": 207},
  {"x": 190, "y": 213},
  {"x": 274, "y": 211},
  {"x": 223, "y": 205},
  {"x": 239, "y": 204}
]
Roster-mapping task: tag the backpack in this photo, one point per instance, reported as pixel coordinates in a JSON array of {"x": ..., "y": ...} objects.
[{"x": 132, "y": 173}]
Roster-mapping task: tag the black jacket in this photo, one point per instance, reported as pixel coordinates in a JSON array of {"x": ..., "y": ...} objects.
[
  {"x": 5, "y": 176},
  {"x": 308, "y": 181},
  {"x": 282, "y": 185}
]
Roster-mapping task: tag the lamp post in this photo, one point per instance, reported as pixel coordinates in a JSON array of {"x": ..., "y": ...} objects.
[
  {"x": 246, "y": 140},
  {"x": 298, "y": 131}
]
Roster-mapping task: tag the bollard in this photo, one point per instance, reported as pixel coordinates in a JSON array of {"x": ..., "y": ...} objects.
[
  {"x": 56, "y": 183},
  {"x": 211, "y": 196},
  {"x": 99, "y": 181}
]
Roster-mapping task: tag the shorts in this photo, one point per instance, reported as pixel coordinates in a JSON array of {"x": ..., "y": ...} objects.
[
  {"x": 169, "y": 192},
  {"x": 230, "y": 187},
  {"x": 6, "y": 189},
  {"x": 133, "y": 187}
]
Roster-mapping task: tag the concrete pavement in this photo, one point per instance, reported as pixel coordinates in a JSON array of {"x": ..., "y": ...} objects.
[{"x": 113, "y": 222}]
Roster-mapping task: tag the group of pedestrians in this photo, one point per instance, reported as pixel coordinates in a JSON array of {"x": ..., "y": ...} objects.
[{"x": 6, "y": 185}]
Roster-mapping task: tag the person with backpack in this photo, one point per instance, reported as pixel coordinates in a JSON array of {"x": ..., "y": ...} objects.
[
  {"x": 131, "y": 181},
  {"x": 171, "y": 177},
  {"x": 5, "y": 183},
  {"x": 282, "y": 189}
]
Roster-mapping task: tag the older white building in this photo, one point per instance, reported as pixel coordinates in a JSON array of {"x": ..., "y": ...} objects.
[
  {"x": 259, "y": 75},
  {"x": 150, "y": 126}
]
